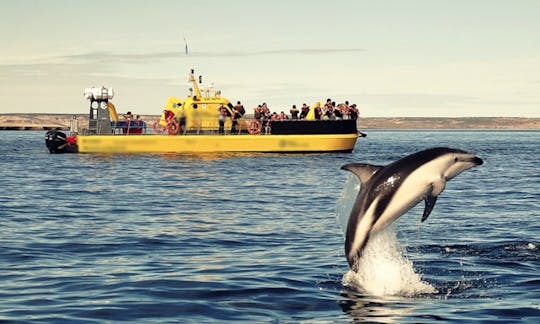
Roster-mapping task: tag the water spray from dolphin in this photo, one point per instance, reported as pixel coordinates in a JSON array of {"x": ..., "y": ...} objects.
[{"x": 387, "y": 192}]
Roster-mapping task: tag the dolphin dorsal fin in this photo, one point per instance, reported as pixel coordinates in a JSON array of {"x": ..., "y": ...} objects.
[{"x": 363, "y": 171}]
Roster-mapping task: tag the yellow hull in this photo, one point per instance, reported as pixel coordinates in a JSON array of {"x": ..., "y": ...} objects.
[{"x": 215, "y": 143}]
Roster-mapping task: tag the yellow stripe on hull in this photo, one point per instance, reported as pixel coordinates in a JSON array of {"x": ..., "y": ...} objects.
[{"x": 214, "y": 143}]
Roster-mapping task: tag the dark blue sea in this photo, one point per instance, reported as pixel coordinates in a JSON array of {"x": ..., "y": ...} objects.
[{"x": 251, "y": 238}]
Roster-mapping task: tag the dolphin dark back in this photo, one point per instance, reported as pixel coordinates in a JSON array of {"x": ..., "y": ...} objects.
[
  {"x": 380, "y": 185},
  {"x": 399, "y": 171}
]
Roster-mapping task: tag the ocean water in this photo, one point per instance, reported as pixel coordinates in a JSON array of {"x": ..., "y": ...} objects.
[{"x": 256, "y": 238}]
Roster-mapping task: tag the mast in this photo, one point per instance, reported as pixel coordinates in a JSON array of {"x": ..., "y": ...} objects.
[{"x": 195, "y": 85}]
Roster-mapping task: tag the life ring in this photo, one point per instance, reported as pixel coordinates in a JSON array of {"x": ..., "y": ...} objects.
[
  {"x": 254, "y": 127},
  {"x": 173, "y": 128},
  {"x": 158, "y": 129}
]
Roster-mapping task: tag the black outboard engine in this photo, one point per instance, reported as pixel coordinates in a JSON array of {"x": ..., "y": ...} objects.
[{"x": 56, "y": 142}]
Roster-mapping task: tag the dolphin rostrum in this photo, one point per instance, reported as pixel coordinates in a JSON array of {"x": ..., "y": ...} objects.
[{"x": 388, "y": 192}]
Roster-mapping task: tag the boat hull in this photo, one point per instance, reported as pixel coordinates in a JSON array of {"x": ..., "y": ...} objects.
[{"x": 215, "y": 143}]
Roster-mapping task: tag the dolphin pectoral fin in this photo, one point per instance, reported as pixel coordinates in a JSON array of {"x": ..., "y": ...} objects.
[
  {"x": 361, "y": 170},
  {"x": 430, "y": 203}
]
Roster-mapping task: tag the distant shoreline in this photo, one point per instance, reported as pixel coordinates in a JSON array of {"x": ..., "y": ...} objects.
[
  {"x": 37, "y": 121},
  {"x": 457, "y": 123}
]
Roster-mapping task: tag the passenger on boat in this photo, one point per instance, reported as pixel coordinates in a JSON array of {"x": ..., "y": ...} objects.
[
  {"x": 304, "y": 111},
  {"x": 283, "y": 116},
  {"x": 265, "y": 122},
  {"x": 240, "y": 108},
  {"x": 328, "y": 110},
  {"x": 222, "y": 111},
  {"x": 236, "y": 115},
  {"x": 257, "y": 112},
  {"x": 328, "y": 104},
  {"x": 265, "y": 109},
  {"x": 345, "y": 110},
  {"x": 139, "y": 123},
  {"x": 181, "y": 118},
  {"x": 294, "y": 112},
  {"x": 338, "y": 112},
  {"x": 318, "y": 111},
  {"x": 128, "y": 116},
  {"x": 353, "y": 112}
]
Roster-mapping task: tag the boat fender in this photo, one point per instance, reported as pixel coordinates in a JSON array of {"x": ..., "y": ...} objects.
[{"x": 254, "y": 127}]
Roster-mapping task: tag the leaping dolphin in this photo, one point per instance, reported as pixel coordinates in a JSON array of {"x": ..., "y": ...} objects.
[{"x": 387, "y": 192}]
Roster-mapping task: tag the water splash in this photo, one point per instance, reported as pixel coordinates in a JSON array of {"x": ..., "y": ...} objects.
[
  {"x": 383, "y": 270},
  {"x": 346, "y": 201}
]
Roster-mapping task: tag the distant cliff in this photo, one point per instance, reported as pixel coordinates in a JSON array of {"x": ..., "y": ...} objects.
[
  {"x": 46, "y": 121},
  {"x": 34, "y": 121},
  {"x": 510, "y": 123},
  {"x": 62, "y": 121}
]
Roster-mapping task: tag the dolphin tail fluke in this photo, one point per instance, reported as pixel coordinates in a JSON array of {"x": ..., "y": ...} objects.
[
  {"x": 363, "y": 171},
  {"x": 430, "y": 203}
]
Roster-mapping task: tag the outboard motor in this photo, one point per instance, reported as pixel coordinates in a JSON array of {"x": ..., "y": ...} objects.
[{"x": 57, "y": 142}]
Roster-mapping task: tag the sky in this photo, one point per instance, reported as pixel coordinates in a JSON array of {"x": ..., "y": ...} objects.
[{"x": 414, "y": 58}]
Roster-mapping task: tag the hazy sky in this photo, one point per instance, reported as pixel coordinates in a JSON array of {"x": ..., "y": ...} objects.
[{"x": 392, "y": 58}]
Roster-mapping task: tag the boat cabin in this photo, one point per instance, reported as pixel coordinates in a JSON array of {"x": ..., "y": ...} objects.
[
  {"x": 197, "y": 113},
  {"x": 103, "y": 117}
]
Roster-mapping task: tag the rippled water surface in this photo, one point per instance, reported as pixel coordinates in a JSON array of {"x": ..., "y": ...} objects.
[{"x": 254, "y": 237}]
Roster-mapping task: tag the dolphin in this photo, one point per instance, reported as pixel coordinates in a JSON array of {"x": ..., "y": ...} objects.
[{"x": 387, "y": 192}]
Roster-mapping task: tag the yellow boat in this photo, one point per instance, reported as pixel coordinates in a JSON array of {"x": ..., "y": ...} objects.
[{"x": 204, "y": 121}]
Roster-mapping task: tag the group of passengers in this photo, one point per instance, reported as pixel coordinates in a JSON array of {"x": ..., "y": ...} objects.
[
  {"x": 261, "y": 113},
  {"x": 329, "y": 111},
  {"x": 236, "y": 112},
  {"x": 128, "y": 117}
]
